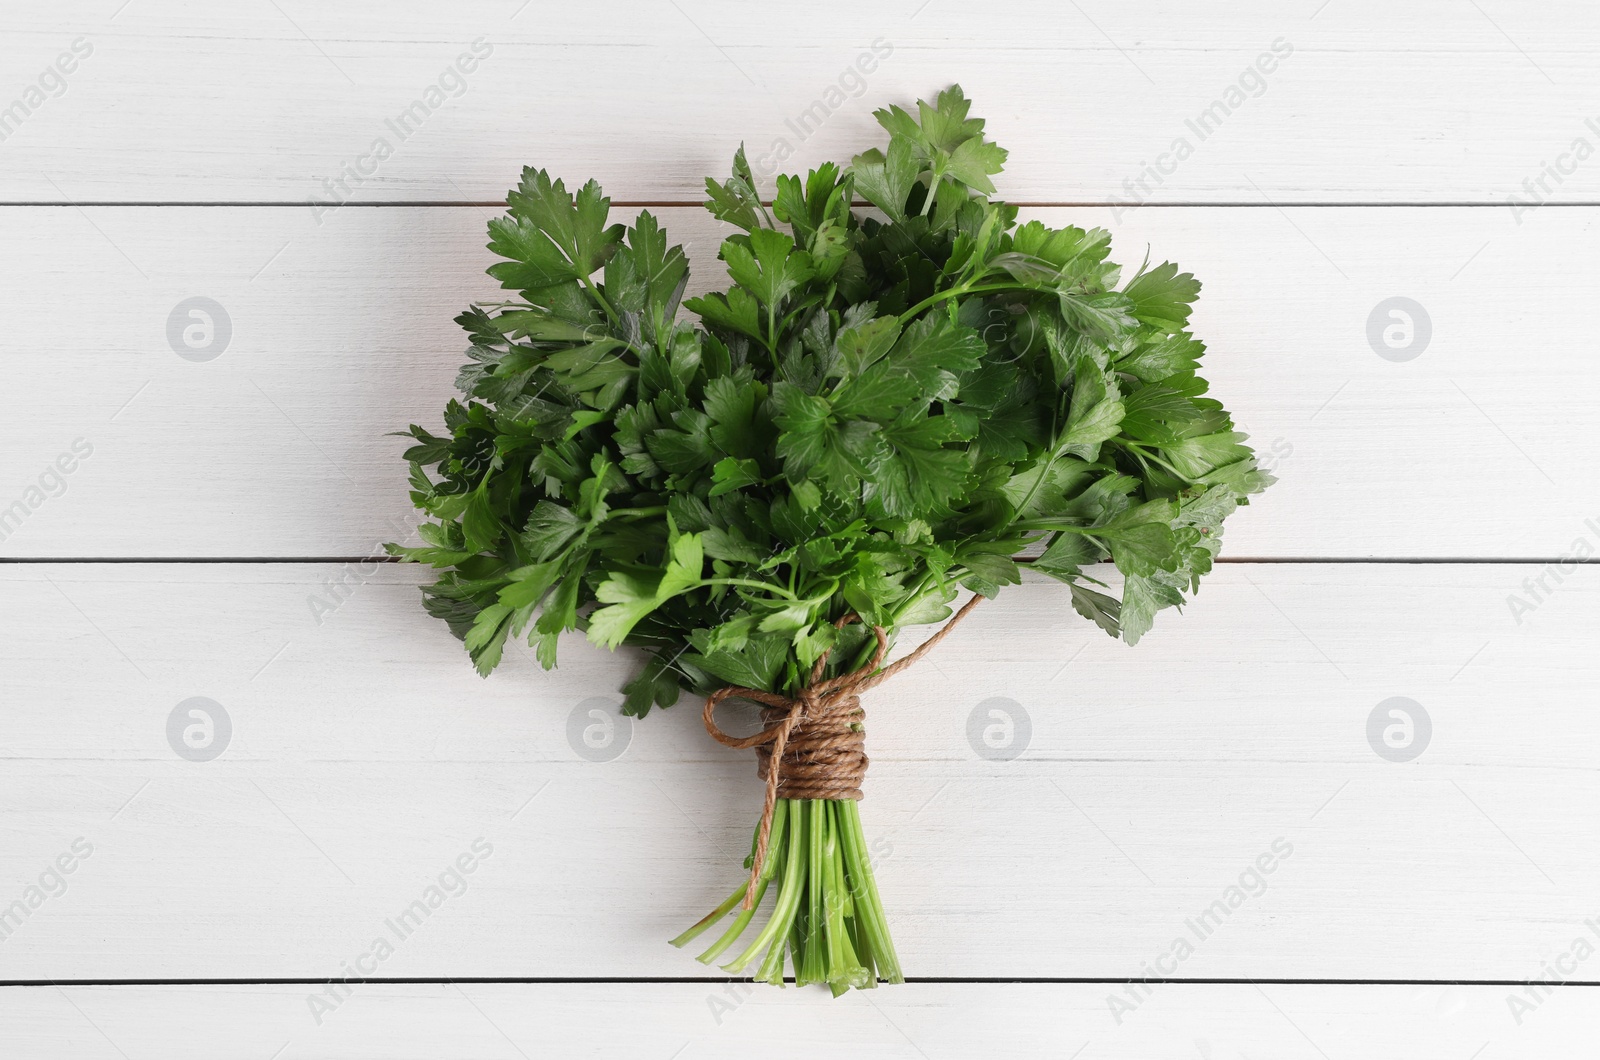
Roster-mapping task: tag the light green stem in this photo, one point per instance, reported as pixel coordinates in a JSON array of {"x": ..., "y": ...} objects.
[
  {"x": 827, "y": 922},
  {"x": 869, "y": 909},
  {"x": 788, "y": 899}
]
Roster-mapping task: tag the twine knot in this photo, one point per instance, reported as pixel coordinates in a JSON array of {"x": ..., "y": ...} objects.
[
  {"x": 825, "y": 755},
  {"x": 813, "y": 744}
]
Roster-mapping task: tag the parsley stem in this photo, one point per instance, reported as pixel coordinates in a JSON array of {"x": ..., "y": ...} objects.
[
  {"x": 750, "y": 583},
  {"x": 812, "y": 968},
  {"x": 788, "y": 896},
  {"x": 864, "y": 890},
  {"x": 1144, "y": 454},
  {"x": 827, "y": 921},
  {"x": 1055, "y": 451},
  {"x": 712, "y": 917},
  {"x": 844, "y": 969},
  {"x": 780, "y": 816},
  {"x": 894, "y": 619},
  {"x": 957, "y": 292},
  {"x": 1052, "y": 526},
  {"x": 740, "y": 922},
  {"x": 594, "y": 289}
]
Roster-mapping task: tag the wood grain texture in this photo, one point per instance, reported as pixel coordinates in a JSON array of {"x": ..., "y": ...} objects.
[
  {"x": 343, "y": 332},
  {"x": 366, "y": 756},
  {"x": 702, "y": 1021},
  {"x": 1433, "y": 101}
]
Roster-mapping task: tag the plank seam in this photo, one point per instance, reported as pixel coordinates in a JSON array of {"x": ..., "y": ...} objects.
[
  {"x": 1500, "y": 561},
  {"x": 653, "y": 980},
  {"x": 675, "y": 203}
]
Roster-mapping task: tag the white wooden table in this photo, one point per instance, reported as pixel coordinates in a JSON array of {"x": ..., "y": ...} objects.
[{"x": 188, "y": 509}]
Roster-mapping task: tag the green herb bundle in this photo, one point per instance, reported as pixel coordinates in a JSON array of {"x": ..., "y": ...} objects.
[{"x": 885, "y": 406}]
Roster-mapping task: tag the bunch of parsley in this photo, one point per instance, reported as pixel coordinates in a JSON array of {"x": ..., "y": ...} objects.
[{"x": 883, "y": 407}]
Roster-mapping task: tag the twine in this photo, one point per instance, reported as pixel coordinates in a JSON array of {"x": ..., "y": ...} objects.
[{"x": 813, "y": 744}]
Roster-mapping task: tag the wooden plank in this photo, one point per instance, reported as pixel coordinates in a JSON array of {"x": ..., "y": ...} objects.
[
  {"x": 364, "y": 757},
  {"x": 341, "y": 333},
  {"x": 921, "y": 1021},
  {"x": 1363, "y": 101}
]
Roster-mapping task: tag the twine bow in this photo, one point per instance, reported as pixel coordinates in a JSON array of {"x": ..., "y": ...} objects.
[{"x": 813, "y": 745}]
